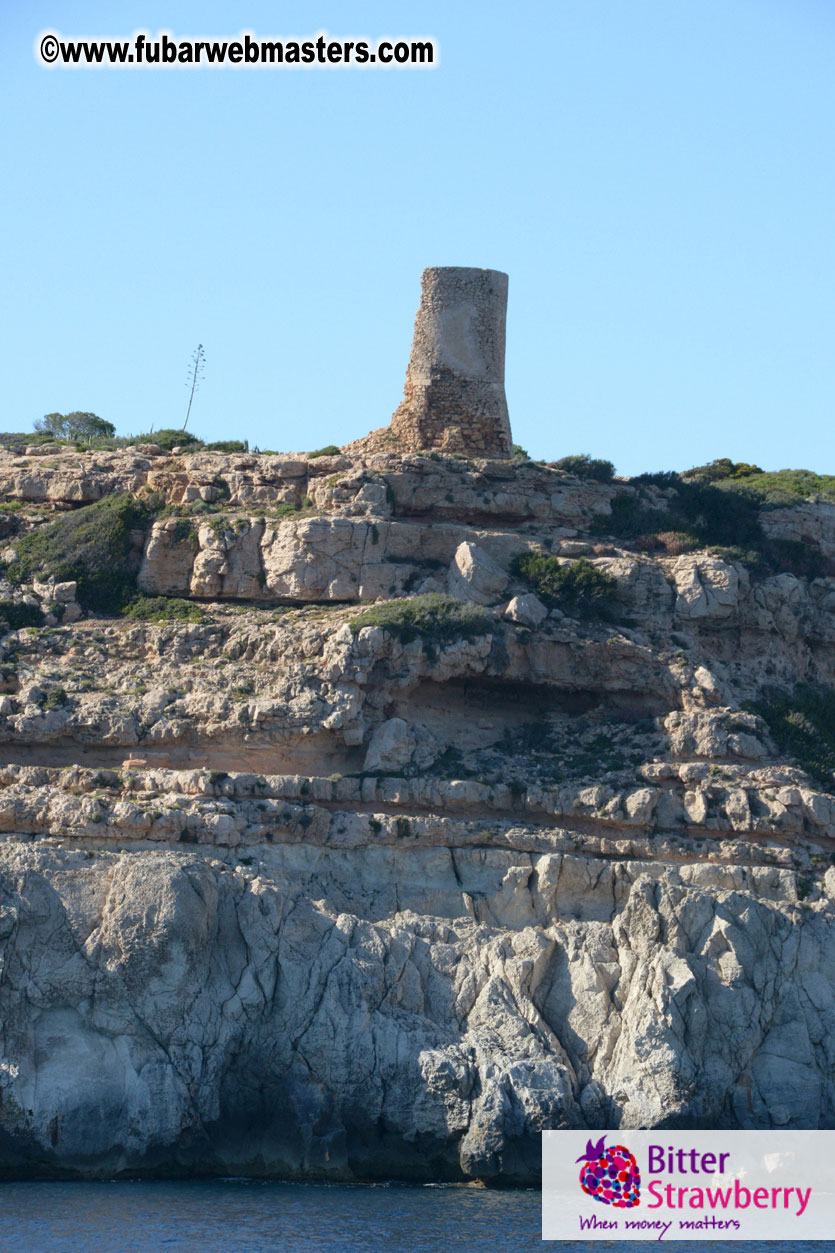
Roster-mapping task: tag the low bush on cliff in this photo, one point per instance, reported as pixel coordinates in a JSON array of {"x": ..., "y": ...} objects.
[
  {"x": 228, "y": 445},
  {"x": 791, "y": 556},
  {"x": 14, "y": 615},
  {"x": 168, "y": 438},
  {"x": 700, "y": 513},
  {"x": 779, "y": 487},
  {"x": 674, "y": 543},
  {"x": 578, "y": 588},
  {"x": 55, "y": 698},
  {"x": 722, "y": 468},
  {"x": 163, "y": 609},
  {"x": 718, "y": 505},
  {"x": 18, "y": 441},
  {"x": 582, "y": 466},
  {"x": 330, "y": 450},
  {"x": 774, "y": 487},
  {"x": 713, "y": 515},
  {"x": 433, "y": 618},
  {"x": 802, "y": 724},
  {"x": 92, "y": 545}
]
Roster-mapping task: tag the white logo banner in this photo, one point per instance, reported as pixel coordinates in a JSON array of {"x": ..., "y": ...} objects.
[{"x": 688, "y": 1185}]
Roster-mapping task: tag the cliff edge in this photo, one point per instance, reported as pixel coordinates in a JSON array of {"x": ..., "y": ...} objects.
[{"x": 362, "y": 816}]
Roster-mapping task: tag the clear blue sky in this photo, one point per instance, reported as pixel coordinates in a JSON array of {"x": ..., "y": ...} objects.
[{"x": 656, "y": 176}]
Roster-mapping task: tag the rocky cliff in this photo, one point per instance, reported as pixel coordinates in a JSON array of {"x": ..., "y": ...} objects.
[{"x": 363, "y": 854}]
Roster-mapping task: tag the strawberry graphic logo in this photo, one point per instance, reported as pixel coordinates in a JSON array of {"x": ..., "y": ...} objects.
[{"x": 610, "y": 1175}]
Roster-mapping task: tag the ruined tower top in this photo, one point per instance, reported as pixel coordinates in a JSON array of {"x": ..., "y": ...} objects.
[{"x": 454, "y": 397}]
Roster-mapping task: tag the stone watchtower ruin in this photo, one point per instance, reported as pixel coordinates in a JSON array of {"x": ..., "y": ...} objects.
[{"x": 454, "y": 397}]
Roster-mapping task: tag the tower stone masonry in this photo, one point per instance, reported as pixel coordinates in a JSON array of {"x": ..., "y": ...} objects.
[{"x": 454, "y": 397}]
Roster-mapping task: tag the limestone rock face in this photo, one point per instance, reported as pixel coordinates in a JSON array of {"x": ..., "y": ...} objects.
[
  {"x": 392, "y": 745},
  {"x": 806, "y": 522},
  {"x": 707, "y": 587},
  {"x": 528, "y": 610},
  {"x": 475, "y": 576},
  {"x": 425, "y": 1013},
  {"x": 364, "y": 864}
]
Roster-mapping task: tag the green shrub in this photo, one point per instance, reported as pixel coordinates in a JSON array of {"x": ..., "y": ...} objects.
[
  {"x": 631, "y": 519},
  {"x": 795, "y": 557},
  {"x": 197, "y": 508},
  {"x": 169, "y": 438},
  {"x": 14, "y": 615},
  {"x": 450, "y": 764},
  {"x": 228, "y": 445},
  {"x": 520, "y": 453},
  {"x": 719, "y": 515},
  {"x": 330, "y": 450},
  {"x": 163, "y": 609},
  {"x": 184, "y": 532},
  {"x": 774, "y": 487},
  {"x": 582, "y": 466},
  {"x": 673, "y": 543},
  {"x": 92, "y": 546},
  {"x": 723, "y": 468},
  {"x": 803, "y": 725},
  {"x": 17, "y": 441},
  {"x": 677, "y": 542},
  {"x": 578, "y": 588},
  {"x": 744, "y": 556},
  {"x": 55, "y": 698},
  {"x": 711, "y": 514},
  {"x": 722, "y": 514},
  {"x": 434, "y": 618},
  {"x": 782, "y": 487}
]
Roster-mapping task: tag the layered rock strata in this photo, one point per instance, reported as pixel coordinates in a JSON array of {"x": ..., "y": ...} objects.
[{"x": 303, "y": 890}]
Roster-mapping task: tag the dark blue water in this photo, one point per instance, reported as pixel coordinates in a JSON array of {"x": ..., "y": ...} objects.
[{"x": 247, "y": 1216}]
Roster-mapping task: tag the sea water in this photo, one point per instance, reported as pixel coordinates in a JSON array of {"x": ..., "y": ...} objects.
[{"x": 251, "y": 1216}]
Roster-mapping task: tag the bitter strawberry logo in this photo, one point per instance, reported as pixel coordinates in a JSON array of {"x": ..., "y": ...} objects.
[{"x": 610, "y": 1175}]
